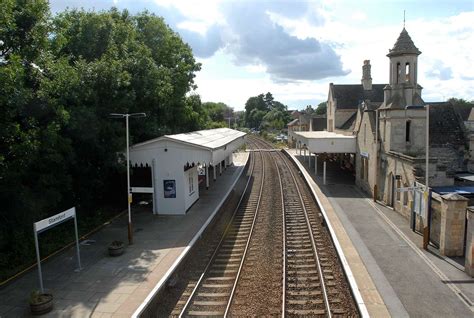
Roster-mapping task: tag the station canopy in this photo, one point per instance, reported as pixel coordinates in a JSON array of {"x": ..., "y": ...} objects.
[
  {"x": 326, "y": 142},
  {"x": 202, "y": 146}
]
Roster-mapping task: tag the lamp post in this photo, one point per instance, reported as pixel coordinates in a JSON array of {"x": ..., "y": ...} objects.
[
  {"x": 426, "y": 228},
  {"x": 129, "y": 195}
]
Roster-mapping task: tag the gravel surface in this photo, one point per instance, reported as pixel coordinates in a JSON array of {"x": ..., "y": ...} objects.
[{"x": 259, "y": 291}]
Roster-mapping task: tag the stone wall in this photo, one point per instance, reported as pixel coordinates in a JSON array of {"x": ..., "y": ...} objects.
[
  {"x": 453, "y": 220},
  {"x": 435, "y": 229},
  {"x": 469, "y": 260}
]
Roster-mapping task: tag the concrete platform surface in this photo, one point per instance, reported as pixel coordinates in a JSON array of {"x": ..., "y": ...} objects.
[
  {"x": 411, "y": 281},
  {"x": 116, "y": 286}
]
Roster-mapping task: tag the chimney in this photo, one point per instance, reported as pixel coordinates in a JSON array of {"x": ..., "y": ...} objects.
[{"x": 366, "y": 78}]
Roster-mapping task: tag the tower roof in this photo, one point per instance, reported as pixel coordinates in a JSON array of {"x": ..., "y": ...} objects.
[{"x": 404, "y": 45}]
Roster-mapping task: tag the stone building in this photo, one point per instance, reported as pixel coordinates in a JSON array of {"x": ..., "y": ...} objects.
[
  {"x": 344, "y": 100},
  {"x": 389, "y": 121},
  {"x": 303, "y": 121}
]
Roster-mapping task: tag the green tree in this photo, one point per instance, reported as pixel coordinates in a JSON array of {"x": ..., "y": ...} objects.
[
  {"x": 34, "y": 154},
  {"x": 321, "y": 109},
  {"x": 60, "y": 78},
  {"x": 218, "y": 112}
]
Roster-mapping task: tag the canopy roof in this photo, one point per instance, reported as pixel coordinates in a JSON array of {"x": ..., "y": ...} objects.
[
  {"x": 326, "y": 142},
  {"x": 209, "y": 138},
  {"x": 203, "y": 146}
]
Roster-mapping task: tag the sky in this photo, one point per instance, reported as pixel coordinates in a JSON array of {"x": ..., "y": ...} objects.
[{"x": 295, "y": 48}]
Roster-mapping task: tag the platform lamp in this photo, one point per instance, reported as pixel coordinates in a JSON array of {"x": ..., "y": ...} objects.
[{"x": 129, "y": 195}]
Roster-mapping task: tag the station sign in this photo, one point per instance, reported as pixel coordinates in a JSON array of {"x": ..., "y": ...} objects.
[
  {"x": 54, "y": 220},
  {"x": 48, "y": 223}
]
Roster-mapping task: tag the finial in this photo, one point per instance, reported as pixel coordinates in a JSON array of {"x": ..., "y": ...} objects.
[{"x": 404, "y": 19}]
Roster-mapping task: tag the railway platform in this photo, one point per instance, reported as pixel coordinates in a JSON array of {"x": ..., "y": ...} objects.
[
  {"x": 395, "y": 275},
  {"x": 117, "y": 286}
]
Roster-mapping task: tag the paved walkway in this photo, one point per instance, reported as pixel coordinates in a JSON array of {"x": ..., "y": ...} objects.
[
  {"x": 116, "y": 286},
  {"x": 412, "y": 282}
]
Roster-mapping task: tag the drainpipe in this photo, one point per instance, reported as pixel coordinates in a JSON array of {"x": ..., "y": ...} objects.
[{"x": 377, "y": 149}]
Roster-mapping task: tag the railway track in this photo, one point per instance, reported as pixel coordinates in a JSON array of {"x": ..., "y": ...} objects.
[
  {"x": 305, "y": 287},
  {"x": 275, "y": 256},
  {"x": 213, "y": 292}
]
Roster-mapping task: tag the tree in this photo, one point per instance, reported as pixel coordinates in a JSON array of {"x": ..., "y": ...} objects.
[
  {"x": 268, "y": 100},
  {"x": 218, "y": 112},
  {"x": 34, "y": 154},
  {"x": 321, "y": 109},
  {"x": 263, "y": 111},
  {"x": 60, "y": 78}
]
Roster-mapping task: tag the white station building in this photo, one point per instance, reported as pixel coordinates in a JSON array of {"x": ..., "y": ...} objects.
[{"x": 175, "y": 160}]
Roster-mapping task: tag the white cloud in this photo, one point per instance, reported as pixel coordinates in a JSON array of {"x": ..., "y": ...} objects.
[
  {"x": 449, "y": 40},
  {"x": 447, "y": 43},
  {"x": 359, "y": 16}
]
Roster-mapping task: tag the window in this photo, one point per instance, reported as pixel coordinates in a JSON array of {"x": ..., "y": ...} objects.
[
  {"x": 405, "y": 196},
  {"x": 191, "y": 184},
  {"x": 366, "y": 169},
  {"x": 365, "y": 133},
  {"x": 399, "y": 71},
  {"x": 407, "y": 72},
  {"x": 407, "y": 130},
  {"x": 398, "y": 187}
]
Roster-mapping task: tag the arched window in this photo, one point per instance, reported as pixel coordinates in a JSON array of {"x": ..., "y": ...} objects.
[
  {"x": 407, "y": 72},
  {"x": 399, "y": 71}
]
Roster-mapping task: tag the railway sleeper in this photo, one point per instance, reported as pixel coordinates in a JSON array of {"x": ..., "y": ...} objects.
[
  {"x": 304, "y": 302},
  {"x": 303, "y": 279},
  {"x": 207, "y": 285},
  {"x": 299, "y": 293},
  {"x": 209, "y": 303},
  {"x": 300, "y": 249},
  {"x": 296, "y": 272},
  {"x": 227, "y": 260},
  {"x": 306, "y": 312},
  {"x": 225, "y": 266},
  {"x": 223, "y": 272},
  {"x": 202, "y": 313},
  {"x": 295, "y": 261},
  {"x": 301, "y": 265},
  {"x": 221, "y": 278},
  {"x": 303, "y": 285},
  {"x": 338, "y": 311}
]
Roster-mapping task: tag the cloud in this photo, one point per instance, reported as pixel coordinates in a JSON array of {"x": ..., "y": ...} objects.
[
  {"x": 203, "y": 45},
  {"x": 257, "y": 39},
  {"x": 61, "y": 5},
  {"x": 247, "y": 32},
  {"x": 440, "y": 71}
]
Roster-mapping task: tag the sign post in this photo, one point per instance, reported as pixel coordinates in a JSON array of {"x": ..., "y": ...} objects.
[{"x": 46, "y": 224}]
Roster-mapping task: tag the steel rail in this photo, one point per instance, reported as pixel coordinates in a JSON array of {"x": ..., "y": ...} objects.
[
  {"x": 201, "y": 278},
  {"x": 232, "y": 293},
  {"x": 283, "y": 305},
  {"x": 313, "y": 243}
]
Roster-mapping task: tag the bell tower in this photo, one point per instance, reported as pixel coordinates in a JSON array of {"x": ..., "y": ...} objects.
[
  {"x": 403, "y": 89},
  {"x": 404, "y": 61}
]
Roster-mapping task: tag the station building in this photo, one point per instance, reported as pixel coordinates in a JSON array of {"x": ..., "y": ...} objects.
[
  {"x": 177, "y": 164},
  {"x": 380, "y": 131}
]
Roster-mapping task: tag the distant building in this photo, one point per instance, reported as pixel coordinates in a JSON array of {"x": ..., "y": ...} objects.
[{"x": 303, "y": 121}]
